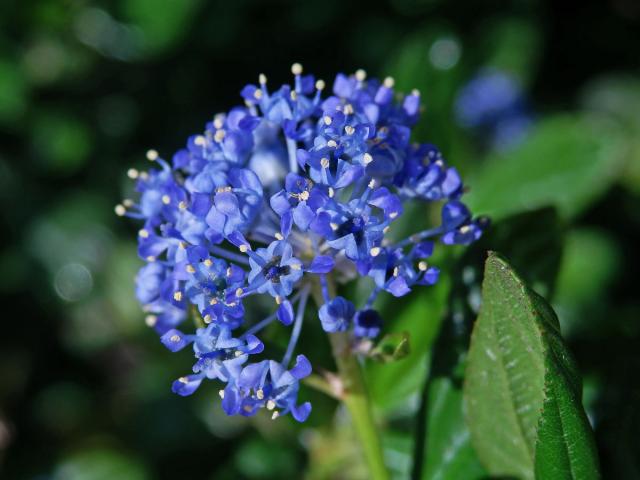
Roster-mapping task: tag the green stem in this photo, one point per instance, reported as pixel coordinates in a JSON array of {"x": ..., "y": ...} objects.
[{"x": 354, "y": 396}]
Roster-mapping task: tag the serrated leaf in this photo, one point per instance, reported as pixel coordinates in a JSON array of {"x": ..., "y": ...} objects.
[
  {"x": 505, "y": 375},
  {"x": 516, "y": 350},
  {"x": 567, "y": 162}
]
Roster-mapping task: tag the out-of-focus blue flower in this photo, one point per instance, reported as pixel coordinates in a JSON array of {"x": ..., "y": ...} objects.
[
  {"x": 494, "y": 105},
  {"x": 367, "y": 323},
  {"x": 287, "y": 194}
]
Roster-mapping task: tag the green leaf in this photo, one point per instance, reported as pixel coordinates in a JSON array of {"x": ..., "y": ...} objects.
[
  {"x": 504, "y": 39},
  {"x": 617, "y": 96},
  {"x": 100, "y": 464},
  {"x": 567, "y": 162},
  {"x": 582, "y": 300},
  {"x": 533, "y": 239},
  {"x": 13, "y": 93},
  {"x": 161, "y": 26},
  {"x": 565, "y": 447},
  {"x": 517, "y": 366},
  {"x": 449, "y": 453}
]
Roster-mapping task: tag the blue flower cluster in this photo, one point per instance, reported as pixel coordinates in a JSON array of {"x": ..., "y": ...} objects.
[
  {"x": 494, "y": 105},
  {"x": 273, "y": 199}
]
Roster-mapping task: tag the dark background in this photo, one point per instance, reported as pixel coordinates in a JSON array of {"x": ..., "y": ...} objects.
[{"x": 87, "y": 87}]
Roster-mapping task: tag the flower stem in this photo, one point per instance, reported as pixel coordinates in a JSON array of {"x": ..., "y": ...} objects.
[
  {"x": 354, "y": 396},
  {"x": 357, "y": 402}
]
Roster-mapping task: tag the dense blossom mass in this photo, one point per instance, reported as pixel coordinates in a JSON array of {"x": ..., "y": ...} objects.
[{"x": 289, "y": 193}]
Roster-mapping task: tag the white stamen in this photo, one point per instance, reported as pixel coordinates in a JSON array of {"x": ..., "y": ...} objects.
[
  {"x": 367, "y": 158},
  {"x": 243, "y": 248},
  {"x": 182, "y": 205},
  {"x": 295, "y": 266},
  {"x": 422, "y": 266},
  {"x": 152, "y": 155},
  {"x": 320, "y": 85},
  {"x": 279, "y": 236},
  {"x": 349, "y": 130},
  {"x": 332, "y": 192},
  {"x": 275, "y": 415},
  {"x": 304, "y": 196},
  {"x": 348, "y": 109},
  {"x": 207, "y": 318},
  {"x": 389, "y": 82},
  {"x": 166, "y": 199},
  {"x": 239, "y": 292},
  {"x": 151, "y": 258},
  {"x": 150, "y": 320},
  {"x": 396, "y": 272},
  {"x": 120, "y": 210},
  {"x": 221, "y": 393},
  {"x": 257, "y": 94},
  {"x": 183, "y": 380},
  {"x": 327, "y": 120},
  {"x": 127, "y": 202},
  {"x": 175, "y": 338},
  {"x": 324, "y": 163},
  {"x": 132, "y": 173},
  {"x": 200, "y": 141},
  {"x": 219, "y": 136},
  {"x": 262, "y": 79},
  {"x": 260, "y": 394},
  {"x": 332, "y": 144},
  {"x": 296, "y": 69},
  {"x": 375, "y": 251},
  {"x": 271, "y": 405},
  {"x": 177, "y": 296},
  {"x": 208, "y": 262},
  {"x": 361, "y": 75},
  {"x": 190, "y": 269},
  {"x": 415, "y": 92}
]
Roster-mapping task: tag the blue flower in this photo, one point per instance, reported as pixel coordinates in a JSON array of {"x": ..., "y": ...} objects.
[
  {"x": 494, "y": 105},
  {"x": 336, "y": 315},
  {"x": 274, "y": 270},
  {"x": 268, "y": 385},
  {"x": 292, "y": 191},
  {"x": 368, "y": 323},
  {"x": 298, "y": 202}
]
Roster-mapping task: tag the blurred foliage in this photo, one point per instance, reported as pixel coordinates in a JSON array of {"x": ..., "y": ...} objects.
[{"x": 86, "y": 86}]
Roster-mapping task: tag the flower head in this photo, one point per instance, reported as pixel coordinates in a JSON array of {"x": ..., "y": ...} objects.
[{"x": 280, "y": 197}]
